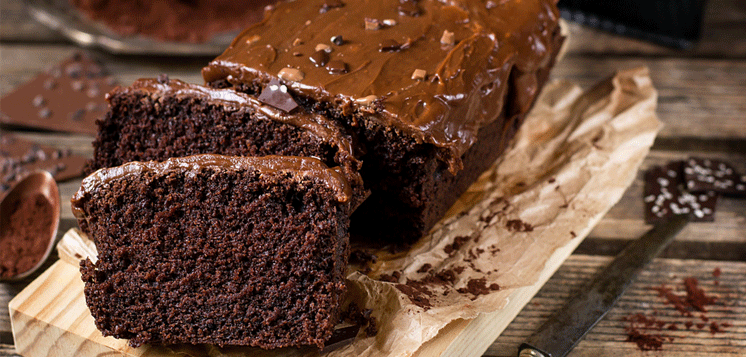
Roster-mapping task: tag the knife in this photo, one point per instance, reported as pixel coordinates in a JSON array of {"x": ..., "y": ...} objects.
[{"x": 566, "y": 328}]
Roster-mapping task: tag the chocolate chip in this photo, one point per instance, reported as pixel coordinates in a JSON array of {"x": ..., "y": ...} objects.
[
  {"x": 276, "y": 94},
  {"x": 77, "y": 115},
  {"x": 338, "y": 40},
  {"x": 419, "y": 74},
  {"x": 409, "y": 8},
  {"x": 45, "y": 113},
  {"x": 74, "y": 70},
  {"x": 320, "y": 58},
  {"x": 50, "y": 84},
  {"x": 38, "y": 101},
  {"x": 389, "y": 46},
  {"x": 94, "y": 91},
  {"x": 336, "y": 67},
  {"x": 77, "y": 85},
  {"x": 331, "y": 4},
  {"x": 163, "y": 78}
]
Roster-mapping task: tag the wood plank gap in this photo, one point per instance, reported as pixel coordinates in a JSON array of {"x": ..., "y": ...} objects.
[
  {"x": 689, "y": 143},
  {"x": 718, "y": 251}
]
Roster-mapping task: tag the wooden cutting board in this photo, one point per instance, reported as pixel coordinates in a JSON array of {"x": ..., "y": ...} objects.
[{"x": 50, "y": 318}]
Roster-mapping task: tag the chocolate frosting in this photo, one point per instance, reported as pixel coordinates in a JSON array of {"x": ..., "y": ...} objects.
[
  {"x": 266, "y": 165},
  {"x": 466, "y": 75},
  {"x": 230, "y": 99}
]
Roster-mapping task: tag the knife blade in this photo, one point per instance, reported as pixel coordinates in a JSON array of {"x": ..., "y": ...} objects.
[{"x": 566, "y": 328}]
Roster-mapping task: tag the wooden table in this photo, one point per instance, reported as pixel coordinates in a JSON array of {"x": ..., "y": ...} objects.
[{"x": 702, "y": 103}]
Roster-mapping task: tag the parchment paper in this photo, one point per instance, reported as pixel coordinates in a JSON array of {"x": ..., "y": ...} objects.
[{"x": 571, "y": 161}]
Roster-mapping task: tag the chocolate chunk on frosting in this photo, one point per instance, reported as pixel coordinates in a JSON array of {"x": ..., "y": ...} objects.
[
  {"x": 276, "y": 94},
  {"x": 447, "y": 109}
]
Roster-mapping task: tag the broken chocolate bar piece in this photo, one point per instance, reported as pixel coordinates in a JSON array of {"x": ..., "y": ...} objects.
[
  {"x": 703, "y": 175},
  {"x": 665, "y": 196},
  {"x": 19, "y": 157},
  {"x": 68, "y": 97}
]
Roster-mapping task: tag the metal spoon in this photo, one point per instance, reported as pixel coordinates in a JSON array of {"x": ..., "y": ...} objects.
[{"x": 39, "y": 182}]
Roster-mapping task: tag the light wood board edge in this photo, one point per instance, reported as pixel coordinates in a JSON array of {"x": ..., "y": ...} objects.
[{"x": 32, "y": 325}]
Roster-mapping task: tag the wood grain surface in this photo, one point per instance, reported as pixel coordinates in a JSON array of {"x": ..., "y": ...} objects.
[{"x": 702, "y": 101}]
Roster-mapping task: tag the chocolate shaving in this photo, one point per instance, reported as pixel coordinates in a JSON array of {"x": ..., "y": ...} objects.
[
  {"x": 389, "y": 46},
  {"x": 409, "y": 8},
  {"x": 517, "y": 225}
]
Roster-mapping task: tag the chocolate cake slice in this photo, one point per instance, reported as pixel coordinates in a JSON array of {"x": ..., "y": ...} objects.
[
  {"x": 433, "y": 90},
  {"x": 156, "y": 119},
  {"x": 216, "y": 249}
]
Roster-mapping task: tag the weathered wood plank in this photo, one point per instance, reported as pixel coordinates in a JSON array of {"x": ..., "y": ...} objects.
[
  {"x": 698, "y": 97},
  {"x": 721, "y": 37},
  {"x": 7, "y": 350},
  {"x": 17, "y": 25},
  {"x": 722, "y": 33},
  {"x": 609, "y": 336}
]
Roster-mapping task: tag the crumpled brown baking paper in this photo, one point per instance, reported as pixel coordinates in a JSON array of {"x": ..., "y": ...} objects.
[{"x": 571, "y": 161}]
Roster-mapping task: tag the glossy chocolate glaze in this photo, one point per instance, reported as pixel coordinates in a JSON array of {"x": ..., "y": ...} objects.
[
  {"x": 316, "y": 124},
  {"x": 270, "y": 165},
  {"x": 465, "y": 83}
]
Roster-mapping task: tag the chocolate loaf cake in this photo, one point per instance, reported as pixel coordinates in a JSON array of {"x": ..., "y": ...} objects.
[
  {"x": 216, "y": 249},
  {"x": 432, "y": 90},
  {"x": 156, "y": 119}
]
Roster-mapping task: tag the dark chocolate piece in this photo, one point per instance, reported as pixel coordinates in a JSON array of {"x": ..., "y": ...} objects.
[
  {"x": 69, "y": 97},
  {"x": 19, "y": 157},
  {"x": 703, "y": 175},
  {"x": 320, "y": 58},
  {"x": 665, "y": 196},
  {"x": 276, "y": 94}
]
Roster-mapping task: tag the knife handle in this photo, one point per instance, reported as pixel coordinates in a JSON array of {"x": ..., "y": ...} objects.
[{"x": 527, "y": 351}]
